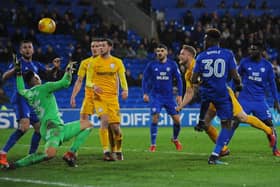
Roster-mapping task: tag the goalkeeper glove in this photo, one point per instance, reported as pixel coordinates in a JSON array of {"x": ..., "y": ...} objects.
[
  {"x": 70, "y": 68},
  {"x": 17, "y": 65}
]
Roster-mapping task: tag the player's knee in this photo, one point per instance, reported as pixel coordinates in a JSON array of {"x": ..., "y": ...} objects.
[
  {"x": 85, "y": 124},
  {"x": 36, "y": 127},
  {"x": 155, "y": 118},
  {"x": 24, "y": 128},
  {"x": 226, "y": 124},
  {"x": 84, "y": 117},
  {"x": 235, "y": 123},
  {"x": 208, "y": 117},
  {"x": 51, "y": 152},
  {"x": 242, "y": 117},
  {"x": 116, "y": 128}
]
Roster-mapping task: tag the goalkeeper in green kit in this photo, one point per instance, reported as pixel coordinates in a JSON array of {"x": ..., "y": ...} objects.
[{"x": 53, "y": 130}]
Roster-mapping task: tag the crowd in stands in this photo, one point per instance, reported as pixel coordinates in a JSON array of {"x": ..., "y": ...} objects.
[{"x": 238, "y": 32}]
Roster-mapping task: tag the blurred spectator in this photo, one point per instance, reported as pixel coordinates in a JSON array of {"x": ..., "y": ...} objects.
[
  {"x": 276, "y": 70},
  {"x": 131, "y": 53},
  {"x": 188, "y": 18},
  {"x": 264, "y": 5},
  {"x": 146, "y": 6},
  {"x": 236, "y": 5},
  {"x": 49, "y": 55},
  {"x": 32, "y": 37},
  {"x": 17, "y": 36},
  {"x": 56, "y": 72},
  {"x": 40, "y": 56},
  {"x": 199, "y": 4},
  {"x": 63, "y": 2},
  {"x": 3, "y": 30},
  {"x": 160, "y": 15},
  {"x": 43, "y": 2},
  {"x": 252, "y": 4},
  {"x": 180, "y": 4},
  {"x": 141, "y": 52},
  {"x": 222, "y": 4},
  {"x": 3, "y": 97},
  {"x": 6, "y": 52},
  {"x": 120, "y": 50},
  {"x": 138, "y": 81},
  {"x": 78, "y": 54},
  {"x": 85, "y": 2},
  {"x": 153, "y": 44},
  {"x": 130, "y": 80}
]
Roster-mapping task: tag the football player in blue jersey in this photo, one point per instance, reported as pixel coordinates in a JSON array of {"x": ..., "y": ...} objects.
[
  {"x": 24, "y": 113},
  {"x": 157, "y": 85},
  {"x": 257, "y": 73},
  {"x": 214, "y": 66}
]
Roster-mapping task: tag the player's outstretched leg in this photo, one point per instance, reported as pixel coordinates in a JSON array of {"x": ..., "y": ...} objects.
[
  {"x": 31, "y": 159},
  {"x": 80, "y": 130}
]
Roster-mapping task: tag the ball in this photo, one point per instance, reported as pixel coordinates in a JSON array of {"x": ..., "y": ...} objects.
[{"x": 47, "y": 25}]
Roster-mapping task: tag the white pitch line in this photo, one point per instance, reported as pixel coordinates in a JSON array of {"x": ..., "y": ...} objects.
[{"x": 32, "y": 181}]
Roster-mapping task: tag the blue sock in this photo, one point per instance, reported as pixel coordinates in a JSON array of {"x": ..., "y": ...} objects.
[
  {"x": 12, "y": 140},
  {"x": 275, "y": 146},
  {"x": 223, "y": 139},
  {"x": 176, "y": 130},
  {"x": 36, "y": 137},
  {"x": 153, "y": 133}
]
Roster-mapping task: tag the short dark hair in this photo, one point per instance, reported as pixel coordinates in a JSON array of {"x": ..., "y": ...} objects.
[
  {"x": 213, "y": 33},
  {"x": 161, "y": 45},
  {"x": 27, "y": 76},
  {"x": 109, "y": 41},
  {"x": 96, "y": 40},
  {"x": 191, "y": 49},
  {"x": 24, "y": 41},
  {"x": 257, "y": 45}
]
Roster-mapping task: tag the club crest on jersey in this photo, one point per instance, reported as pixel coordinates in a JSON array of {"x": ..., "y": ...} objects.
[
  {"x": 100, "y": 109},
  {"x": 112, "y": 66},
  {"x": 156, "y": 69},
  {"x": 249, "y": 68},
  {"x": 168, "y": 69},
  {"x": 262, "y": 70},
  {"x": 154, "y": 109}
]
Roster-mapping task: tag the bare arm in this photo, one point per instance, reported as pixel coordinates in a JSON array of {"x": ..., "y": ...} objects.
[
  {"x": 236, "y": 79},
  {"x": 76, "y": 90},
  {"x": 187, "y": 98},
  {"x": 8, "y": 74}
]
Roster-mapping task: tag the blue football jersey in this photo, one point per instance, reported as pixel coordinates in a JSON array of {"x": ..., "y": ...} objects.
[
  {"x": 256, "y": 76},
  {"x": 158, "y": 78},
  {"x": 214, "y": 65}
]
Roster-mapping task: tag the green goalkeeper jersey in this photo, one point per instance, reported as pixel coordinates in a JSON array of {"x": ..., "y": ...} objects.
[{"x": 42, "y": 99}]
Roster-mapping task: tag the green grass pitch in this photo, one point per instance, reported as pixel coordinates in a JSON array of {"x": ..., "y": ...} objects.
[{"x": 250, "y": 163}]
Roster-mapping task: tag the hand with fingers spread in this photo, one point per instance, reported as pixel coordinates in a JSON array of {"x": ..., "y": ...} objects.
[
  {"x": 17, "y": 64},
  {"x": 70, "y": 68}
]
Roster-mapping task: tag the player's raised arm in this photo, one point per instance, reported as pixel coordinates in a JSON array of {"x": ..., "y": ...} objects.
[
  {"x": 19, "y": 79},
  {"x": 62, "y": 83}
]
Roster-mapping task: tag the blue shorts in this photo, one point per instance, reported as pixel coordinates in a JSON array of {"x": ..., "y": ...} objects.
[
  {"x": 224, "y": 108},
  {"x": 156, "y": 104},
  {"x": 260, "y": 109},
  {"x": 23, "y": 110}
]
